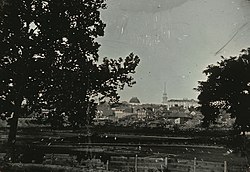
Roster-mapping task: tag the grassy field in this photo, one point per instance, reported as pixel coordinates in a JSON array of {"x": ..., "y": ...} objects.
[{"x": 37, "y": 145}]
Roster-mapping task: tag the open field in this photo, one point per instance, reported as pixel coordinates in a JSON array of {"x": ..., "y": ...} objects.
[{"x": 74, "y": 148}]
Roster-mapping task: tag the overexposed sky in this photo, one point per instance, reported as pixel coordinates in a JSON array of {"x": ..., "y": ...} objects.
[{"x": 175, "y": 39}]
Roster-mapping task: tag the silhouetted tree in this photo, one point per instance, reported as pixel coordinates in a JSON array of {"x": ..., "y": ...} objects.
[
  {"x": 49, "y": 60},
  {"x": 227, "y": 87}
]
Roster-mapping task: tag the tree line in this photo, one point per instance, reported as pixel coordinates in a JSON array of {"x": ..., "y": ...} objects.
[
  {"x": 227, "y": 88},
  {"x": 49, "y": 60}
]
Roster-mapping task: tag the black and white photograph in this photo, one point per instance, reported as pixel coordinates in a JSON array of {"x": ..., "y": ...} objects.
[{"x": 124, "y": 85}]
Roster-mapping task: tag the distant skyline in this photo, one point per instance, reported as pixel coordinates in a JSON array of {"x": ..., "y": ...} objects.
[{"x": 175, "y": 40}]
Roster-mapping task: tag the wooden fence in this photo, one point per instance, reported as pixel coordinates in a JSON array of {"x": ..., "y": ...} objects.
[{"x": 147, "y": 164}]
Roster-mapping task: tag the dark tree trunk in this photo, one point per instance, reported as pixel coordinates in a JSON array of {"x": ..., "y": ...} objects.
[
  {"x": 13, "y": 130},
  {"x": 11, "y": 148}
]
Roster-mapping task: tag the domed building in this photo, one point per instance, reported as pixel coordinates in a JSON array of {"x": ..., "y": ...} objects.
[{"x": 134, "y": 101}]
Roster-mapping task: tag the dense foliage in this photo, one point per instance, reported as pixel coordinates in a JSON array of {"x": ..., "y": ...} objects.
[
  {"x": 49, "y": 61},
  {"x": 227, "y": 88}
]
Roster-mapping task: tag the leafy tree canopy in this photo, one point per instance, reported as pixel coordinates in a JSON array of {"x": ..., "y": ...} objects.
[
  {"x": 49, "y": 60},
  {"x": 227, "y": 87}
]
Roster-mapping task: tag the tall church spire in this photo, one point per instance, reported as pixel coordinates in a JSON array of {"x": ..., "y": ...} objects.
[{"x": 165, "y": 97}]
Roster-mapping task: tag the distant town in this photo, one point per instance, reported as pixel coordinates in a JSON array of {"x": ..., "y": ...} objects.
[{"x": 172, "y": 113}]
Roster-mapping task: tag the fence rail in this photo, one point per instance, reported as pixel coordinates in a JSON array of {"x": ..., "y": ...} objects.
[{"x": 145, "y": 164}]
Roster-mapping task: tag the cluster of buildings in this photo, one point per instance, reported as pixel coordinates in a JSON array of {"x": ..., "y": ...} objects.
[
  {"x": 134, "y": 113},
  {"x": 170, "y": 113}
]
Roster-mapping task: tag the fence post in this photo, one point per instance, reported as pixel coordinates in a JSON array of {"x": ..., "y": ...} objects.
[
  {"x": 107, "y": 165},
  {"x": 225, "y": 166},
  {"x": 166, "y": 162},
  {"x": 52, "y": 159},
  {"x": 194, "y": 164},
  {"x": 162, "y": 168},
  {"x": 136, "y": 161}
]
